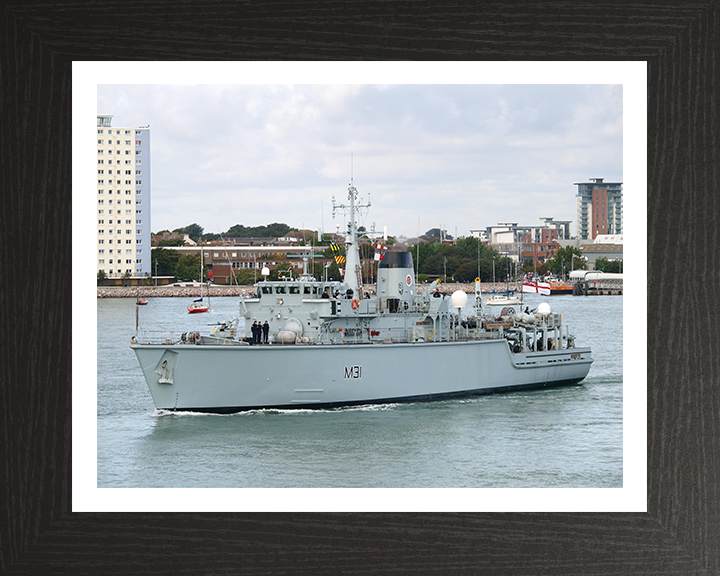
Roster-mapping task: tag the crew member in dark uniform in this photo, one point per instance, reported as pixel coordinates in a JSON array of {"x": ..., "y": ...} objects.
[{"x": 265, "y": 332}]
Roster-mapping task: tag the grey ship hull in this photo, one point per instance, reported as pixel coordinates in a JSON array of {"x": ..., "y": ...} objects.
[{"x": 226, "y": 379}]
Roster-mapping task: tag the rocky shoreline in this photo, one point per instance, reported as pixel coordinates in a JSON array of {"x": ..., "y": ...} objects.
[{"x": 189, "y": 291}]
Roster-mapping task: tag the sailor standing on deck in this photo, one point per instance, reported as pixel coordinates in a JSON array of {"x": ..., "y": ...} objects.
[
  {"x": 255, "y": 335},
  {"x": 265, "y": 332}
]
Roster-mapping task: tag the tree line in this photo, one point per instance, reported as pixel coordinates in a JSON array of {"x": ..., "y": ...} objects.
[{"x": 462, "y": 261}]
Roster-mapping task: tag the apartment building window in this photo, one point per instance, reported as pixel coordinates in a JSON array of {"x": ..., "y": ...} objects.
[
  {"x": 101, "y": 162},
  {"x": 101, "y": 191},
  {"x": 128, "y": 171},
  {"x": 139, "y": 241},
  {"x": 127, "y": 152},
  {"x": 102, "y": 261},
  {"x": 127, "y": 191},
  {"x": 138, "y": 152},
  {"x": 138, "y": 172},
  {"x": 128, "y": 162},
  {"x": 100, "y": 131},
  {"x": 100, "y": 151},
  {"x": 100, "y": 142},
  {"x": 138, "y": 132},
  {"x": 101, "y": 231},
  {"x": 128, "y": 182},
  {"x": 101, "y": 241},
  {"x": 100, "y": 201},
  {"x": 138, "y": 162},
  {"x": 137, "y": 143},
  {"x": 127, "y": 131},
  {"x": 138, "y": 191},
  {"x": 127, "y": 142}
]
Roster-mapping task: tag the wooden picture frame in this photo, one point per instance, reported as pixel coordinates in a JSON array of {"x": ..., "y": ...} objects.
[{"x": 39, "y": 534}]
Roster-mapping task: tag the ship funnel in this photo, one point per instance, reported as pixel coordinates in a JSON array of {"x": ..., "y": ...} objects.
[{"x": 396, "y": 281}]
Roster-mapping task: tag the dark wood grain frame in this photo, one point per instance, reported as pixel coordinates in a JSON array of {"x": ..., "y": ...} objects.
[{"x": 681, "y": 530}]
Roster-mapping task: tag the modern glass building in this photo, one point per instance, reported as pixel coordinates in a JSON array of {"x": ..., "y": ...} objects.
[
  {"x": 598, "y": 208},
  {"x": 123, "y": 199}
]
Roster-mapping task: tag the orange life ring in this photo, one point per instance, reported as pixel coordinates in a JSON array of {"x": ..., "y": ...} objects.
[{"x": 355, "y": 304}]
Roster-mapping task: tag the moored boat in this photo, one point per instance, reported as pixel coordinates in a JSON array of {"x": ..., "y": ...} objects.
[
  {"x": 329, "y": 344},
  {"x": 558, "y": 287},
  {"x": 199, "y": 306}
]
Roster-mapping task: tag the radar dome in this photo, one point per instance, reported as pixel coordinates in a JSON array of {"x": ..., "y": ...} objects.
[
  {"x": 458, "y": 299},
  {"x": 265, "y": 271},
  {"x": 543, "y": 308}
]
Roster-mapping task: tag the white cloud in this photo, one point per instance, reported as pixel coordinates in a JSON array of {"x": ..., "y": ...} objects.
[{"x": 460, "y": 156}]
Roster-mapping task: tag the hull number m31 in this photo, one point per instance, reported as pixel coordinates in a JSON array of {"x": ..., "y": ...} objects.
[{"x": 353, "y": 372}]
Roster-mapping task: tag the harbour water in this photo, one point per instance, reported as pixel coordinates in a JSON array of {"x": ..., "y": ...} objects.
[{"x": 569, "y": 437}]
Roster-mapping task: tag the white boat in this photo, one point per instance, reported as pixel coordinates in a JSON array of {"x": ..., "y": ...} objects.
[
  {"x": 198, "y": 306},
  {"x": 329, "y": 345},
  {"x": 502, "y": 300}
]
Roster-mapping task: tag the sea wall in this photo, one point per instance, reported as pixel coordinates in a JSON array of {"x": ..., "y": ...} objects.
[{"x": 188, "y": 291}]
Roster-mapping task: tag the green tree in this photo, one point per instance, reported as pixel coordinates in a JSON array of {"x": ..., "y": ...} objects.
[
  {"x": 170, "y": 242},
  {"x": 166, "y": 261},
  {"x": 192, "y": 230},
  {"x": 101, "y": 275},
  {"x": 273, "y": 230},
  {"x": 188, "y": 267},
  {"x": 246, "y": 276},
  {"x": 562, "y": 261},
  {"x": 602, "y": 264}
]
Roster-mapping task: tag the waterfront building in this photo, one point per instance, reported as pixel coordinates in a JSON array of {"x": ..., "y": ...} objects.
[
  {"x": 520, "y": 243},
  {"x": 123, "y": 199},
  {"x": 598, "y": 208}
]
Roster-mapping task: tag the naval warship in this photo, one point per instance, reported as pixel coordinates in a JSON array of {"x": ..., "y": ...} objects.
[{"x": 331, "y": 344}]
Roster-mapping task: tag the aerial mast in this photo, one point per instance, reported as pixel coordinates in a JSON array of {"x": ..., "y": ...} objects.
[{"x": 353, "y": 272}]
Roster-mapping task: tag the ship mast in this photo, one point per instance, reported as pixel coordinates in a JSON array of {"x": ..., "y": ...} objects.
[{"x": 353, "y": 272}]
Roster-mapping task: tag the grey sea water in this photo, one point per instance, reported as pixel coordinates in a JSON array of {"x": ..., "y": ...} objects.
[{"x": 559, "y": 438}]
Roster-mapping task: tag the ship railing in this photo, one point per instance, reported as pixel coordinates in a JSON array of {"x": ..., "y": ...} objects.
[{"x": 158, "y": 337}]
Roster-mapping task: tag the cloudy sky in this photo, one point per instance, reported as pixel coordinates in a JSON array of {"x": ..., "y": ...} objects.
[{"x": 459, "y": 157}]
